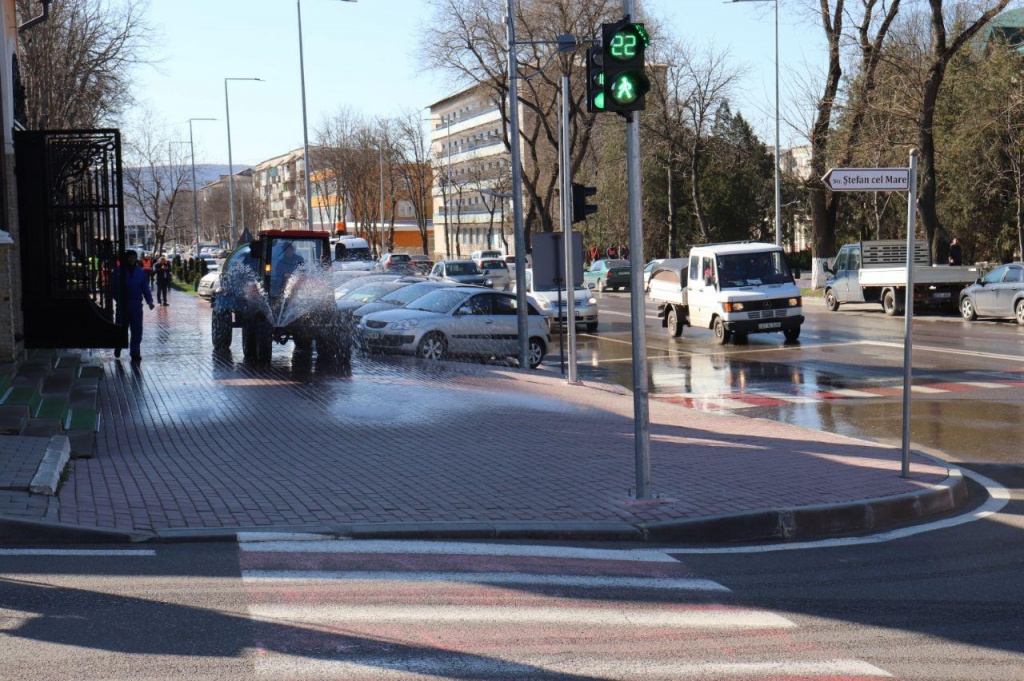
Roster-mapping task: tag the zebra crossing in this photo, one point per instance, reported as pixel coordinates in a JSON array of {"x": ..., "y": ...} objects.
[
  {"x": 384, "y": 610},
  {"x": 799, "y": 394}
]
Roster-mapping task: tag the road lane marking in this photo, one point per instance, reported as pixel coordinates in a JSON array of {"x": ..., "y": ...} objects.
[
  {"x": 697, "y": 618},
  {"x": 470, "y": 665},
  {"x": 515, "y": 578},
  {"x": 848, "y": 392},
  {"x": 454, "y": 548},
  {"x": 78, "y": 552}
]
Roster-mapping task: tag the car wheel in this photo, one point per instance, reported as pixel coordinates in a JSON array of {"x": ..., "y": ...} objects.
[
  {"x": 433, "y": 347},
  {"x": 791, "y": 334},
  {"x": 967, "y": 310},
  {"x": 221, "y": 329},
  {"x": 831, "y": 301},
  {"x": 591, "y": 327},
  {"x": 890, "y": 305},
  {"x": 721, "y": 335},
  {"x": 1019, "y": 311},
  {"x": 675, "y": 324},
  {"x": 535, "y": 352}
]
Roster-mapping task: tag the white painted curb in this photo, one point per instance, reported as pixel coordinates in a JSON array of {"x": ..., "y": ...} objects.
[{"x": 47, "y": 476}]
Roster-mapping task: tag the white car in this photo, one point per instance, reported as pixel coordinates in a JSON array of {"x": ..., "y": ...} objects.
[
  {"x": 211, "y": 262},
  {"x": 585, "y": 304},
  {"x": 496, "y": 270},
  {"x": 209, "y": 286},
  {"x": 458, "y": 320}
]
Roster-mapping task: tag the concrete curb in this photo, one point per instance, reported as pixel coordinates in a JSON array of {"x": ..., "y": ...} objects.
[
  {"x": 47, "y": 477},
  {"x": 776, "y": 525}
]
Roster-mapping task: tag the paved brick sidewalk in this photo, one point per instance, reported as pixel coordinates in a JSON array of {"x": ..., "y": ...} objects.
[{"x": 190, "y": 441}]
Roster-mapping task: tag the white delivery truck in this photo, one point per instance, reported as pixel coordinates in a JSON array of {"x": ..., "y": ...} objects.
[
  {"x": 876, "y": 272},
  {"x": 734, "y": 289}
]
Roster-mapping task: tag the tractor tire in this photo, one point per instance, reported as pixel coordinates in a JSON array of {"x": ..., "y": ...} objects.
[{"x": 221, "y": 329}]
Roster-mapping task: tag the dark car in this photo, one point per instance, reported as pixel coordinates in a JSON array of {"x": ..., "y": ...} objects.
[
  {"x": 1000, "y": 293},
  {"x": 397, "y": 262},
  {"x": 608, "y": 274}
]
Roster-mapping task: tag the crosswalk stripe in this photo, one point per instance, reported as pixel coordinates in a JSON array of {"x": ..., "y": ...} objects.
[
  {"x": 471, "y": 666},
  {"x": 848, "y": 392},
  {"x": 516, "y": 578},
  {"x": 983, "y": 384},
  {"x": 925, "y": 390},
  {"x": 454, "y": 549},
  {"x": 435, "y": 615}
]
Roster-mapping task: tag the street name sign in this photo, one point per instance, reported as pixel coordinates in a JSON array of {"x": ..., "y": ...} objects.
[{"x": 867, "y": 179}]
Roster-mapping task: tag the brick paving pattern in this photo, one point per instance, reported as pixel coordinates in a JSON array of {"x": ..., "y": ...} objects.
[{"x": 190, "y": 440}]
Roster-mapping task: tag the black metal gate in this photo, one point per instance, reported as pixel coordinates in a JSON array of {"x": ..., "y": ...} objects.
[{"x": 71, "y": 218}]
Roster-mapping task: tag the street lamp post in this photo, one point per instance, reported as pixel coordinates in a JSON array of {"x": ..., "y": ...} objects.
[
  {"x": 231, "y": 166},
  {"x": 778, "y": 161},
  {"x": 195, "y": 190},
  {"x": 305, "y": 125}
]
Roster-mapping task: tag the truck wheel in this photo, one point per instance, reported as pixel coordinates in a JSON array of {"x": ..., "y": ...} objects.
[
  {"x": 791, "y": 334},
  {"x": 221, "y": 329},
  {"x": 831, "y": 301},
  {"x": 433, "y": 347},
  {"x": 675, "y": 324},
  {"x": 1018, "y": 310},
  {"x": 890, "y": 304},
  {"x": 257, "y": 343},
  {"x": 967, "y": 309},
  {"x": 721, "y": 335}
]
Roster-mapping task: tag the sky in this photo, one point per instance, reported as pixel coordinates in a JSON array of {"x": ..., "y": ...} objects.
[{"x": 363, "y": 56}]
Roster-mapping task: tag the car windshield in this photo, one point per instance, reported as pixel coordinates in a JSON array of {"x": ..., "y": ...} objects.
[
  {"x": 351, "y": 254},
  {"x": 752, "y": 269},
  {"x": 407, "y": 294},
  {"x": 616, "y": 263},
  {"x": 492, "y": 264},
  {"x": 444, "y": 300},
  {"x": 461, "y": 268}
]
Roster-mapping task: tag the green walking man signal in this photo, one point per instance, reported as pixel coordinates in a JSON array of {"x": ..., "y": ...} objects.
[{"x": 624, "y": 79}]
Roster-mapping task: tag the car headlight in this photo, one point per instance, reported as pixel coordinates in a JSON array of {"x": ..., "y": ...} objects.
[
  {"x": 733, "y": 307},
  {"x": 405, "y": 325},
  {"x": 794, "y": 302},
  {"x": 591, "y": 302},
  {"x": 543, "y": 304}
]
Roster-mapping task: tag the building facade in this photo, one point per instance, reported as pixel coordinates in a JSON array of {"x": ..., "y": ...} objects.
[
  {"x": 12, "y": 343},
  {"x": 472, "y": 175}
]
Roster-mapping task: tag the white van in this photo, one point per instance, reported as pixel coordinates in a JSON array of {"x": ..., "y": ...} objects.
[
  {"x": 352, "y": 254},
  {"x": 486, "y": 255},
  {"x": 734, "y": 289}
]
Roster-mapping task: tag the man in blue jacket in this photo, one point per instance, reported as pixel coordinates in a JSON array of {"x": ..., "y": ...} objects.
[{"x": 136, "y": 289}]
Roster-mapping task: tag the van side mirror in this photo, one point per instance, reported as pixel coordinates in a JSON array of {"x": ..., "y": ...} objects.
[{"x": 828, "y": 268}]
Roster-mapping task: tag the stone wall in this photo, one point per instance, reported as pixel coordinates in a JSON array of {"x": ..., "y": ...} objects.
[{"x": 12, "y": 326}]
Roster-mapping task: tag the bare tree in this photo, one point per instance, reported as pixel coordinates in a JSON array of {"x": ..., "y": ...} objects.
[
  {"x": 414, "y": 170},
  {"x": 155, "y": 172},
  {"x": 468, "y": 41},
  {"x": 942, "y": 51},
  {"x": 76, "y": 66}
]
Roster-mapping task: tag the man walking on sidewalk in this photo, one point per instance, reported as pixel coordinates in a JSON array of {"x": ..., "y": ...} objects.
[
  {"x": 135, "y": 284},
  {"x": 163, "y": 279}
]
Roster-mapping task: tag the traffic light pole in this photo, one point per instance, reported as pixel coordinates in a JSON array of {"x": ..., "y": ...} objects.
[
  {"x": 641, "y": 406},
  {"x": 519, "y": 231},
  {"x": 565, "y": 161}
]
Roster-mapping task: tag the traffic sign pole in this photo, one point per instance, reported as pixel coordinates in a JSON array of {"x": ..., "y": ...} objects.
[{"x": 908, "y": 312}]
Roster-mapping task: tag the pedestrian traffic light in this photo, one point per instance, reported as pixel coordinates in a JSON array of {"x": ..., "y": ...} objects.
[
  {"x": 625, "y": 80},
  {"x": 595, "y": 80},
  {"x": 580, "y": 208}
]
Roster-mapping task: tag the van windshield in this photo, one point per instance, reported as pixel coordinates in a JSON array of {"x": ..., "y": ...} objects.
[
  {"x": 351, "y": 254},
  {"x": 736, "y": 270}
]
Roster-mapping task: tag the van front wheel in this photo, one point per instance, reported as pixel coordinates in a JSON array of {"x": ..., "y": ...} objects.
[{"x": 721, "y": 335}]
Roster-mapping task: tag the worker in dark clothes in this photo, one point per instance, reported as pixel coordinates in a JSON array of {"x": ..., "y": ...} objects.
[{"x": 133, "y": 289}]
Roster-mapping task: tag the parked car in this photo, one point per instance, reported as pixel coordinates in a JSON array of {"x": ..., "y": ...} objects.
[
  {"x": 399, "y": 298},
  {"x": 1000, "y": 293},
  {"x": 647, "y": 272},
  {"x": 421, "y": 263},
  {"x": 585, "y": 305},
  {"x": 352, "y": 281},
  {"x": 396, "y": 262},
  {"x": 608, "y": 274},
  {"x": 211, "y": 262},
  {"x": 460, "y": 320},
  {"x": 361, "y": 295},
  {"x": 209, "y": 286},
  {"x": 486, "y": 255},
  {"x": 497, "y": 271},
  {"x": 459, "y": 272}
]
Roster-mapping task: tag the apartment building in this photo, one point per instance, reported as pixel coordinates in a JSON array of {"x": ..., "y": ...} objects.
[
  {"x": 279, "y": 184},
  {"x": 472, "y": 175}
]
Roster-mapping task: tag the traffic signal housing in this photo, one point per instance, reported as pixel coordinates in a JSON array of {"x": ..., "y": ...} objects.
[
  {"x": 595, "y": 79},
  {"x": 580, "y": 208},
  {"x": 623, "y": 44}
]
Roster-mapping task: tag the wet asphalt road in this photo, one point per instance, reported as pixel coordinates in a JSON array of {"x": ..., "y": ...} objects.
[{"x": 968, "y": 410}]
